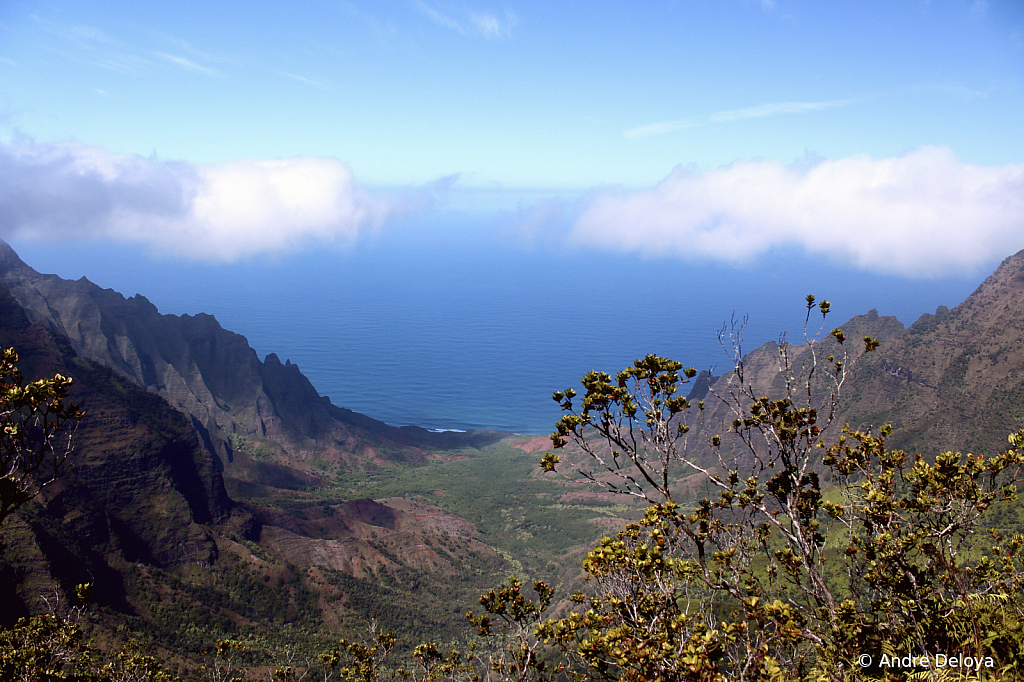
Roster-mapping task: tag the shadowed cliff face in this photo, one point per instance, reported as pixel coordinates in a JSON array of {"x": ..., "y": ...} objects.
[
  {"x": 142, "y": 488},
  {"x": 266, "y": 414},
  {"x": 143, "y": 515}
]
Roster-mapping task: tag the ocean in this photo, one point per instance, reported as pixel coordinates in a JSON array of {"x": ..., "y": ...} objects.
[{"x": 469, "y": 332}]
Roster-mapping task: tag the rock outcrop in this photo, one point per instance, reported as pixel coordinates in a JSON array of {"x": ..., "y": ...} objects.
[
  {"x": 265, "y": 413},
  {"x": 143, "y": 487}
]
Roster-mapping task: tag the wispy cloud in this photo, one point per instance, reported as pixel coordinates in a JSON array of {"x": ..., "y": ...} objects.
[
  {"x": 922, "y": 214},
  {"x": 948, "y": 89},
  {"x": 220, "y": 212},
  {"x": 308, "y": 81},
  {"x": 89, "y": 33},
  {"x": 660, "y": 128},
  {"x": 186, "y": 63},
  {"x": 486, "y": 24},
  {"x": 762, "y": 110},
  {"x": 187, "y": 48},
  {"x": 1017, "y": 38},
  {"x": 90, "y": 45},
  {"x": 491, "y": 26},
  {"x": 438, "y": 17},
  {"x": 776, "y": 109}
]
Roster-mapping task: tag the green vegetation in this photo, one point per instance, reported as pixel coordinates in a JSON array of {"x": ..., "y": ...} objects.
[
  {"x": 798, "y": 559},
  {"x": 51, "y": 647},
  {"x": 746, "y": 586},
  {"x": 259, "y": 451},
  {"x": 521, "y": 525},
  {"x": 497, "y": 490}
]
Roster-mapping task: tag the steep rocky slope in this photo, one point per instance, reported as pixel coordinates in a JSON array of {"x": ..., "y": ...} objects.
[
  {"x": 144, "y": 515},
  {"x": 143, "y": 487},
  {"x": 266, "y": 415},
  {"x": 952, "y": 380},
  {"x": 955, "y": 379}
]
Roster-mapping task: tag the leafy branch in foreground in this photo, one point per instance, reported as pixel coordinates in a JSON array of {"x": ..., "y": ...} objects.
[
  {"x": 35, "y": 438},
  {"x": 802, "y": 556},
  {"x": 507, "y": 647},
  {"x": 51, "y": 646}
]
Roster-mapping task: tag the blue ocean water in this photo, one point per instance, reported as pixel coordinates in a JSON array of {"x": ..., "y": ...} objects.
[{"x": 466, "y": 332}]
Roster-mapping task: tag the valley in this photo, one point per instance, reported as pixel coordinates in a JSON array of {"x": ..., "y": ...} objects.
[{"x": 219, "y": 497}]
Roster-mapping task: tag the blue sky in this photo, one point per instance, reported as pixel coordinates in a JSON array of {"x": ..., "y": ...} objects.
[{"x": 885, "y": 135}]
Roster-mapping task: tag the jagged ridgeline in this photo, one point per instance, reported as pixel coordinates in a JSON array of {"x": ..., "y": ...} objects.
[
  {"x": 216, "y": 495},
  {"x": 265, "y": 420},
  {"x": 174, "y": 408}
]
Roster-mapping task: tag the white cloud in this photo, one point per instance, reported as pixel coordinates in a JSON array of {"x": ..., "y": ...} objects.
[
  {"x": 209, "y": 212},
  {"x": 776, "y": 109},
  {"x": 760, "y": 111},
  {"x": 659, "y": 128},
  {"x": 921, "y": 214},
  {"x": 486, "y": 24},
  {"x": 1017, "y": 38},
  {"x": 490, "y": 26},
  {"x": 438, "y": 17},
  {"x": 185, "y": 63},
  {"x": 303, "y": 79},
  {"x": 90, "y": 33},
  {"x": 92, "y": 46}
]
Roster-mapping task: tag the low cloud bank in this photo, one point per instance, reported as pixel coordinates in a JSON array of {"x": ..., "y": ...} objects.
[
  {"x": 922, "y": 214},
  {"x": 221, "y": 212}
]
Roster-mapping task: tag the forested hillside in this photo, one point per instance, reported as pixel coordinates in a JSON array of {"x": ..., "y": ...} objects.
[{"x": 951, "y": 380}]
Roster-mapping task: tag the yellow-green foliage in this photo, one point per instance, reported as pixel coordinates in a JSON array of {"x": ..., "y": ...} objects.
[
  {"x": 34, "y": 423},
  {"x": 805, "y": 560}
]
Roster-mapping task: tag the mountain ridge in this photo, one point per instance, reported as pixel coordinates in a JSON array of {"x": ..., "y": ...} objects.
[
  {"x": 215, "y": 376},
  {"x": 953, "y": 379},
  {"x": 143, "y": 486},
  {"x": 145, "y": 517}
]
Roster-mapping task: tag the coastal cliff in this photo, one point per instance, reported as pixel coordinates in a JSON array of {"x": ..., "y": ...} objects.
[
  {"x": 264, "y": 419},
  {"x": 143, "y": 487}
]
